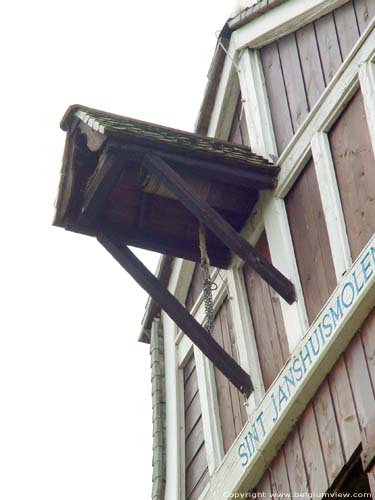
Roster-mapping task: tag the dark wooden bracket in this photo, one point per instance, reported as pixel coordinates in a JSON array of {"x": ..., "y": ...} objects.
[
  {"x": 106, "y": 177},
  {"x": 177, "y": 312},
  {"x": 219, "y": 226}
]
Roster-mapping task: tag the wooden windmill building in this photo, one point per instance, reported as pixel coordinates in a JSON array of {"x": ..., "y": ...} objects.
[{"x": 277, "y": 187}]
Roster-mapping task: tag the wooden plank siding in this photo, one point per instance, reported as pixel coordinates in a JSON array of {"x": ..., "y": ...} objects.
[
  {"x": 238, "y": 132},
  {"x": 231, "y": 402},
  {"x": 329, "y": 434},
  {"x": 310, "y": 240},
  {"x": 355, "y": 172},
  {"x": 298, "y": 67},
  {"x": 270, "y": 336},
  {"x": 196, "y": 468},
  {"x": 195, "y": 288}
]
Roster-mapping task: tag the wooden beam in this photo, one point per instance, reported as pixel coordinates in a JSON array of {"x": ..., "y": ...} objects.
[
  {"x": 167, "y": 246},
  {"x": 177, "y": 313},
  {"x": 219, "y": 226},
  {"x": 100, "y": 186},
  {"x": 234, "y": 173}
]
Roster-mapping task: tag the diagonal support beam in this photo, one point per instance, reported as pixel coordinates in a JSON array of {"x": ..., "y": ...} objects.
[
  {"x": 197, "y": 334},
  {"x": 105, "y": 178},
  {"x": 219, "y": 226}
]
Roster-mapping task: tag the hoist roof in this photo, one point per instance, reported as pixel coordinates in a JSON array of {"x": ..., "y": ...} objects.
[{"x": 103, "y": 182}]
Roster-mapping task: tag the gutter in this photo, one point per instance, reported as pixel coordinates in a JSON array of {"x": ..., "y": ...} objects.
[{"x": 253, "y": 12}]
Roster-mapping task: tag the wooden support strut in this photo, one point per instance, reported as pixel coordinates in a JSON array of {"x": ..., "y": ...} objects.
[
  {"x": 106, "y": 177},
  {"x": 219, "y": 226},
  {"x": 175, "y": 310}
]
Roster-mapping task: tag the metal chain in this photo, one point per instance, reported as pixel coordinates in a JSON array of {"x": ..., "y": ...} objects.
[{"x": 208, "y": 285}]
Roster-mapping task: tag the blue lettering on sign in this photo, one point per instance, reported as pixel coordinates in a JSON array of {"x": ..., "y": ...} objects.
[
  {"x": 347, "y": 301},
  {"x": 311, "y": 348},
  {"x": 336, "y": 314}
]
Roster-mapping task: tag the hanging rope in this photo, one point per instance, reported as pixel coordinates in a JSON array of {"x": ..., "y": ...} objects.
[{"x": 208, "y": 285}]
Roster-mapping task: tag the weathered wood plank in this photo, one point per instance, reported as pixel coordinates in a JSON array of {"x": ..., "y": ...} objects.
[
  {"x": 194, "y": 442},
  {"x": 192, "y": 414},
  {"x": 293, "y": 79},
  {"x": 328, "y": 44},
  {"x": 178, "y": 313},
  {"x": 200, "y": 486},
  {"x": 230, "y": 402},
  {"x": 310, "y": 237},
  {"x": 256, "y": 289},
  {"x": 190, "y": 389},
  {"x": 368, "y": 445},
  {"x": 264, "y": 486},
  {"x": 196, "y": 470},
  {"x": 219, "y": 226},
  {"x": 244, "y": 130},
  {"x": 368, "y": 339},
  {"x": 277, "y": 96},
  {"x": 188, "y": 368},
  {"x": 371, "y": 480},
  {"x": 321, "y": 249},
  {"x": 295, "y": 464},
  {"x": 196, "y": 287},
  {"x": 242, "y": 414},
  {"x": 310, "y": 63},
  {"x": 360, "y": 381},
  {"x": 328, "y": 432},
  {"x": 312, "y": 452},
  {"x": 365, "y": 11},
  {"x": 346, "y": 27},
  {"x": 235, "y": 132},
  {"x": 354, "y": 166},
  {"x": 223, "y": 393},
  {"x": 279, "y": 477},
  {"x": 267, "y": 320},
  {"x": 231, "y": 348},
  {"x": 343, "y": 403}
]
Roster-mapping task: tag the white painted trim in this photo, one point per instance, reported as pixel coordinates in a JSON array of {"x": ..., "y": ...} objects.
[
  {"x": 367, "y": 83},
  {"x": 326, "y": 111},
  {"x": 331, "y": 202},
  {"x": 210, "y": 410},
  {"x": 257, "y": 111},
  {"x": 184, "y": 348},
  {"x": 181, "y": 421},
  {"x": 282, "y": 20},
  {"x": 179, "y": 281},
  {"x": 283, "y": 258},
  {"x": 173, "y": 487},
  {"x": 232, "y": 476},
  {"x": 243, "y": 326},
  {"x": 228, "y": 92},
  {"x": 178, "y": 285}
]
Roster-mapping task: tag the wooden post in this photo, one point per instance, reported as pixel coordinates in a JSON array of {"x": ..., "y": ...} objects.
[
  {"x": 198, "y": 335},
  {"x": 219, "y": 226}
]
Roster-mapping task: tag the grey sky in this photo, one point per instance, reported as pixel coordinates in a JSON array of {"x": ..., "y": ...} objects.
[{"x": 75, "y": 419}]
